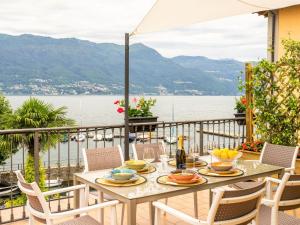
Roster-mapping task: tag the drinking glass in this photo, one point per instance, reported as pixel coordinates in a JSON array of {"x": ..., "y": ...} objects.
[
  {"x": 164, "y": 158},
  {"x": 149, "y": 156},
  {"x": 194, "y": 155}
]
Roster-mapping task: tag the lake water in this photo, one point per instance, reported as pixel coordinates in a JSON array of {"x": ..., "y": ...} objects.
[{"x": 100, "y": 110}]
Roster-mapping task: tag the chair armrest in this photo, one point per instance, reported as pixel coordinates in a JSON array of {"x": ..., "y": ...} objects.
[
  {"x": 83, "y": 210},
  {"x": 272, "y": 179},
  {"x": 267, "y": 202},
  {"x": 292, "y": 170},
  {"x": 62, "y": 190},
  {"x": 178, "y": 214}
]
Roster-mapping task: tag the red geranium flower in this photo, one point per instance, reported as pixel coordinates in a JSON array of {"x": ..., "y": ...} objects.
[
  {"x": 120, "y": 110},
  {"x": 244, "y": 101},
  {"x": 116, "y": 102}
]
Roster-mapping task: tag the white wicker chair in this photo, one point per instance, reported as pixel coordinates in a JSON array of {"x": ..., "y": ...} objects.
[
  {"x": 99, "y": 159},
  {"x": 39, "y": 209},
  {"x": 229, "y": 207},
  {"x": 286, "y": 197},
  {"x": 277, "y": 155},
  {"x": 138, "y": 150}
]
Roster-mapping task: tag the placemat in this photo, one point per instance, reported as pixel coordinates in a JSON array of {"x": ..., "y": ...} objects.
[
  {"x": 103, "y": 181},
  {"x": 208, "y": 172},
  {"x": 189, "y": 165}
]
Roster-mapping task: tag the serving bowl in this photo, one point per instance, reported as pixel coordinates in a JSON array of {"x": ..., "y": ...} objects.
[
  {"x": 221, "y": 166},
  {"x": 135, "y": 164},
  {"x": 182, "y": 175},
  {"x": 122, "y": 174}
]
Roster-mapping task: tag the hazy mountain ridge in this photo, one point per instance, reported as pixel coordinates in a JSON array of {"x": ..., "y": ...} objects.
[{"x": 42, "y": 65}]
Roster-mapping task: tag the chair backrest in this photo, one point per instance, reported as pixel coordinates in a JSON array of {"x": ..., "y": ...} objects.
[
  {"x": 288, "y": 192},
  {"x": 138, "y": 150},
  {"x": 279, "y": 155},
  {"x": 236, "y": 206},
  {"x": 102, "y": 158},
  {"x": 36, "y": 203}
]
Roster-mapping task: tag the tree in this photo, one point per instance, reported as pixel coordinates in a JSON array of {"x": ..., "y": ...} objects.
[
  {"x": 7, "y": 143},
  {"x": 35, "y": 113}
]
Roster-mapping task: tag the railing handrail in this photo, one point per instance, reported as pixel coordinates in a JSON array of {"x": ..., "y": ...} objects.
[{"x": 32, "y": 130}]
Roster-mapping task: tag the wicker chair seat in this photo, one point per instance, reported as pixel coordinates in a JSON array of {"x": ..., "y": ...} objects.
[
  {"x": 283, "y": 218},
  {"x": 83, "y": 220}
]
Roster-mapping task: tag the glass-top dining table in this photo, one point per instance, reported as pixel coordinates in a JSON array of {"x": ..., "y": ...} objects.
[{"x": 152, "y": 191}]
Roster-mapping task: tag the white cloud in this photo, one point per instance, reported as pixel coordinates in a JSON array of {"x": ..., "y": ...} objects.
[{"x": 242, "y": 37}]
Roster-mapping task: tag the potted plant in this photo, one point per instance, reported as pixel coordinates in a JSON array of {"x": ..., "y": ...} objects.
[
  {"x": 251, "y": 150},
  {"x": 139, "y": 111},
  {"x": 240, "y": 107}
]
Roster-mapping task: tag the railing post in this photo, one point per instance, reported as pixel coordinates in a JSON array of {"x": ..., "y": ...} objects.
[
  {"x": 36, "y": 157},
  {"x": 201, "y": 137}
]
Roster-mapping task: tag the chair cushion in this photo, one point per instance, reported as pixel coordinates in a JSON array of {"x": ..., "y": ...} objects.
[
  {"x": 83, "y": 220},
  {"x": 283, "y": 218}
]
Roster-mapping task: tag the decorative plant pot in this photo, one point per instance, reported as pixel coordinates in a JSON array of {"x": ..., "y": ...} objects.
[
  {"x": 249, "y": 155},
  {"x": 142, "y": 128},
  {"x": 240, "y": 115}
]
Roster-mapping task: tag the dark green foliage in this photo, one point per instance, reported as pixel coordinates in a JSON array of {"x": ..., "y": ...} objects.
[{"x": 276, "y": 89}]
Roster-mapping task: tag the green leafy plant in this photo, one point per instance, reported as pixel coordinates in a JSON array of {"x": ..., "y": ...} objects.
[
  {"x": 8, "y": 144},
  {"x": 139, "y": 107},
  {"x": 241, "y": 104},
  {"x": 276, "y": 90}
]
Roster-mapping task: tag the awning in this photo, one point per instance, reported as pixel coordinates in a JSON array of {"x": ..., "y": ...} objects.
[{"x": 168, "y": 14}]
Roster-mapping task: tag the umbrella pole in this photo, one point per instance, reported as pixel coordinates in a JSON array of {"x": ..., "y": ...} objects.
[{"x": 126, "y": 140}]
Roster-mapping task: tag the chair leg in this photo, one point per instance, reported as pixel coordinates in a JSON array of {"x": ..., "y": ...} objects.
[
  {"x": 196, "y": 204},
  {"x": 113, "y": 215},
  {"x": 101, "y": 211},
  {"x": 122, "y": 213},
  {"x": 166, "y": 202},
  {"x": 157, "y": 216},
  {"x": 31, "y": 220}
]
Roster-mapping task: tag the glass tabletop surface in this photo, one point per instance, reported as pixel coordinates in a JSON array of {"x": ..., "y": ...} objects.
[{"x": 151, "y": 187}]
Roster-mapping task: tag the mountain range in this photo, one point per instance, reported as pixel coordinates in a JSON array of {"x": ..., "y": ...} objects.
[{"x": 47, "y": 66}]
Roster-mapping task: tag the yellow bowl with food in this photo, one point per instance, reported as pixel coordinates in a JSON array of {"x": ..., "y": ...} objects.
[
  {"x": 221, "y": 166},
  {"x": 135, "y": 164}
]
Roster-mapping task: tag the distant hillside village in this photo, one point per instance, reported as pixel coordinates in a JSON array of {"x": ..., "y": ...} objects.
[{"x": 35, "y": 65}]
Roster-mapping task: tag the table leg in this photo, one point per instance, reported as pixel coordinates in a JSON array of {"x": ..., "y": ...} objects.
[
  {"x": 76, "y": 194},
  {"x": 196, "y": 204},
  {"x": 131, "y": 212},
  {"x": 101, "y": 211},
  {"x": 210, "y": 197},
  {"x": 151, "y": 213}
]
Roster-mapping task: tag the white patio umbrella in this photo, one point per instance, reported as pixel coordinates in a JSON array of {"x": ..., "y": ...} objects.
[{"x": 168, "y": 14}]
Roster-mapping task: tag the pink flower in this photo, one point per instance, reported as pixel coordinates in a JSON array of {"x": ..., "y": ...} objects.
[
  {"x": 116, "y": 102},
  {"x": 134, "y": 100},
  {"x": 120, "y": 110}
]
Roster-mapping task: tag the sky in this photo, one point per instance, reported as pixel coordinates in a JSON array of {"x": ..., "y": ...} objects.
[{"x": 242, "y": 37}]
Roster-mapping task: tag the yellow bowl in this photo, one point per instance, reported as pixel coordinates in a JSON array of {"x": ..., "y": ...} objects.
[
  {"x": 135, "y": 164},
  {"x": 221, "y": 166}
]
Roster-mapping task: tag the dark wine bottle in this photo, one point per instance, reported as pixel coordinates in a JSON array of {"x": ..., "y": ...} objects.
[{"x": 180, "y": 154}]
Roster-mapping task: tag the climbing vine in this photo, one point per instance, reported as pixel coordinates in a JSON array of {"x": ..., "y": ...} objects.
[{"x": 276, "y": 90}]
